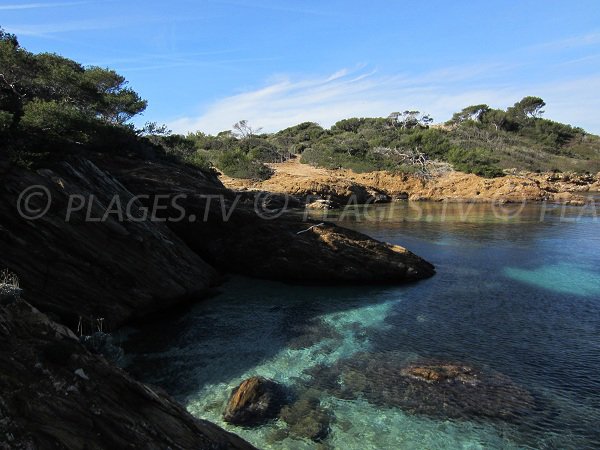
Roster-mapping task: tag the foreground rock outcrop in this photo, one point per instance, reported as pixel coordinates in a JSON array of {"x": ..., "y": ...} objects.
[
  {"x": 81, "y": 266},
  {"x": 55, "y": 394},
  {"x": 267, "y": 243}
]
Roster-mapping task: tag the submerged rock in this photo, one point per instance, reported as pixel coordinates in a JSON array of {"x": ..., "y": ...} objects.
[
  {"x": 434, "y": 388},
  {"x": 306, "y": 418},
  {"x": 306, "y": 335},
  {"x": 444, "y": 372},
  {"x": 255, "y": 401}
]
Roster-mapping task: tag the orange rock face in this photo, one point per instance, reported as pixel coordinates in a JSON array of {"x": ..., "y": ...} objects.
[{"x": 295, "y": 178}]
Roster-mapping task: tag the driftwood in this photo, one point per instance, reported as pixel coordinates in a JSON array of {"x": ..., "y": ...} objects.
[{"x": 310, "y": 228}]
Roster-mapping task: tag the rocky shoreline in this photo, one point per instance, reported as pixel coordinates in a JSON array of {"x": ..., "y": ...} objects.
[
  {"x": 84, "y": 269},
  {"x": 322, "y": 188},
  {"x": 57, "y": 394}
]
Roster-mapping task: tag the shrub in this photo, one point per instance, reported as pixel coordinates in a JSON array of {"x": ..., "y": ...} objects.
[
  {"x": 201, "y": 160},
  {"x": 237, "y": 164},
  {"x": 6, "y": 121},
  {"x": 477, "y": 161},
  {"x": 56, "y": 120}
]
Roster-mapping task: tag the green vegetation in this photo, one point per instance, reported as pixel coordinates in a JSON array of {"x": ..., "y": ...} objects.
[
  {"x": 478, "y": 139},
  {"x": 51, "y": 106}
]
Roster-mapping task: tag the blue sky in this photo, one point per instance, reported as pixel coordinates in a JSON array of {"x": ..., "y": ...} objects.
[{"x": 207, "y": 64}]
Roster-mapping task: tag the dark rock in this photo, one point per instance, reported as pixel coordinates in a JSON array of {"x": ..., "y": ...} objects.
[
  {"x": 307, "y": 335},
  {"x": 9, "y": 294},
  {"x": 292, "y": 249},
  {"x": 59, "y": 352},
  {"x": 381, "y": 198},
  {"x": 102, "y": 344},
  {"x": 79, "y": 268},
  {"x": 255, "y": 401},
  {"x": 248, "y": 243},
  {"x": 56, "y": 394}
]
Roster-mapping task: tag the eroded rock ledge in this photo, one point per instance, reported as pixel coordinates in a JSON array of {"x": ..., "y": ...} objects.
[{"x": 251, "y": 242}]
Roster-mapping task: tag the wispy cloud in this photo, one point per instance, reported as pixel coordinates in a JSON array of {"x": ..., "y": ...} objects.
[
  {"x": 277, "y": 7},
  {"x": 348, "y": 93},
  {"x": 323, "y": 99},
  {"x": 583, "y": 40},
  {"x": 46, "y": 29},
  {"x": 15, "y": 7}
]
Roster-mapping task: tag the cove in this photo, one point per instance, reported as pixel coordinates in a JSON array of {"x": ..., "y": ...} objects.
[{"x": 513, "y": 297}]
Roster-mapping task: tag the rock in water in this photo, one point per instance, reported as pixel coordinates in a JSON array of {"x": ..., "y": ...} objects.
[
  {"x": 306, "y": 418},
  {"x": 441, "y": 389},
  {"x": 255, "y": 401}
]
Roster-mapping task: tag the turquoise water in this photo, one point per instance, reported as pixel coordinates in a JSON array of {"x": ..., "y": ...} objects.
[{"x": 517, "y": 292}]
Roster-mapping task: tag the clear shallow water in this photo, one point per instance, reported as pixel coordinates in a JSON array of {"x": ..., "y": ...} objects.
[{"x": 514, "y": 293}]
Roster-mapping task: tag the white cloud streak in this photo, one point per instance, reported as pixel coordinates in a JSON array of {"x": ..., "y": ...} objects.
[
  {"x": 325, "y": 100},
  {"x": 47, "y": 29},
  {"x": 16, "y": 7},
  {"x": 583, "y": 40}
]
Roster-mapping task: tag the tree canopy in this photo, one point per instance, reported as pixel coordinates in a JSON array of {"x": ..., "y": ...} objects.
[{"x": 48, "y": 92}]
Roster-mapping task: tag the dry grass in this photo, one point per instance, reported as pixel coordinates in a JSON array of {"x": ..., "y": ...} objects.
[{"x": 9, "y": 279}]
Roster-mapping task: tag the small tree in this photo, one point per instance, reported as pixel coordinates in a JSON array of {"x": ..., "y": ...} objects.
[
  {"x": 527, "y": 108},
  {"x": 474, "y": 113},
  {"x": 495, "y": 117},
  {"x": 243, "y": 130},
  {"x": 409, "y": 119}
]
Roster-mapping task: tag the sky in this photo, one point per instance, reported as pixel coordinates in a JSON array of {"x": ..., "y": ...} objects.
[{"x": 204, "y": 65}]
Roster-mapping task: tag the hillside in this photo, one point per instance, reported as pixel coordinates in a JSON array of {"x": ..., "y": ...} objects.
[{"x": 480, "y": 140}]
